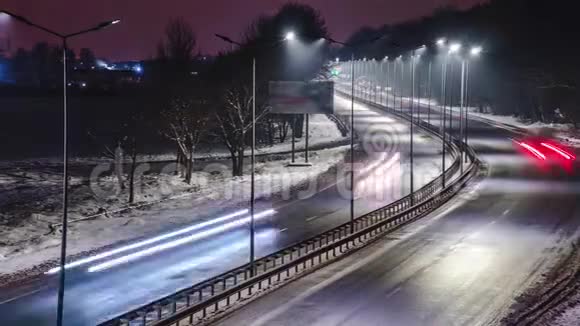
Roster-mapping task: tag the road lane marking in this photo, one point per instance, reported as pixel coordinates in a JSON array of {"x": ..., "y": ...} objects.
[
  {"x": 266, "y": 318},
  {"x": 283, "y": 230},
  {"x": 20, "y": 296},
  {"x": 312, "y": 218}
]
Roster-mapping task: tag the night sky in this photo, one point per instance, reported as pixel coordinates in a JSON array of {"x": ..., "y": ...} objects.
[{"x": 143, "y": 21}]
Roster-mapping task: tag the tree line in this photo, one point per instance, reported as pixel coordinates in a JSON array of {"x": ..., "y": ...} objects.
[
  {"x": 192, "y": 105},
  {"x": 528, "y": 67}
]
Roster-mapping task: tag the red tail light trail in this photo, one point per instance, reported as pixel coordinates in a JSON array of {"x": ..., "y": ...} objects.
[
  {"x": 533, "y": 150},
  {"x": 559, "y": 151}
]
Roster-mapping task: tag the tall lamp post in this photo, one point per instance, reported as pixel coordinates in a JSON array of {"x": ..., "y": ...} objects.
[
  {"x": 64, "y": 39},
  {"x": 352, "y": 46},
  {"x": 288, "y": 37},
  {"x": 453, "y": 48},
  {"x": 352, "y": 96},
  {"x": 411, "y": 172},
  {"x": 474, "y": 52}
]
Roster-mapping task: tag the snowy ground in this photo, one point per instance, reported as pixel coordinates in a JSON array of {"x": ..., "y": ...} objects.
[
  {"x": 569, "y": 318},
  {"x": 30, "y": 201}
]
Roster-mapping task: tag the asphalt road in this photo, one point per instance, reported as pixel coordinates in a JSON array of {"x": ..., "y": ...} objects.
[
  {"x": 462, "y": 265},
  {"x": 93, "y": 297}
]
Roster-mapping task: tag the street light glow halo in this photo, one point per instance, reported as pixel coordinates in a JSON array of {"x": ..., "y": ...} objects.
[
  {"x": 476, "y": 50},
  {"x": 290, "y": 36},
  {"x": 454, "y": 48}
]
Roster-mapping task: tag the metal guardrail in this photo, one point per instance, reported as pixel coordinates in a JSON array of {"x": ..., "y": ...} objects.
[{"x": 196, "y": 303}]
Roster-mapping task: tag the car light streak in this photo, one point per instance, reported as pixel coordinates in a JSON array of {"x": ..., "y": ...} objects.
[
  {"x": 175, "y": 243},
  {"x": 560, "y": 151},
  {"x": 534, "y": 151},
  {"x": 148, "y": 241},
  {"x": 375, "y": 164}
]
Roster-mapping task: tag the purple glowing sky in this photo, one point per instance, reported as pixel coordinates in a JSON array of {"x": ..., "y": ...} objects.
[{"x": 143, "y": 21}]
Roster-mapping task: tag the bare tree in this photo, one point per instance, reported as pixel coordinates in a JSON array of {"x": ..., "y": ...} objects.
[
  {"x": 178, "y": 49},
  {"x": 125, "y": 142},
  {"x": 235, "y": 120},
  {"x": 187, "y": 119}
]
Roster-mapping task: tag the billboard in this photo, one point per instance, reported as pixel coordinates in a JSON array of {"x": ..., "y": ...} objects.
[{"x": 290, "y": 97}]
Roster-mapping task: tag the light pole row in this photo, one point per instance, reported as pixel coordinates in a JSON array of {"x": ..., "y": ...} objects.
[{"x": 373, "y": 71}]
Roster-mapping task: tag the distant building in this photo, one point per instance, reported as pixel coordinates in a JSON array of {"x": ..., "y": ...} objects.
[
  {"x": 106, "y": 76},
  {"x": 5, "y": 77}
]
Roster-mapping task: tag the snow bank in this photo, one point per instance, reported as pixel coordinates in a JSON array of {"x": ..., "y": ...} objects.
[
  {"x": 162, "y": 200},
  {"x": 31, "y": 198}
]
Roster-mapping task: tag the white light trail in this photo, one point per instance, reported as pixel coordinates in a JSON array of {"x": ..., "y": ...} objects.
[
  {"x": 148, "y": 241},
  {"x": 557, "y": 150},
  {"x": 534, "y": 151},
  {"x": 175, "y": 243}
]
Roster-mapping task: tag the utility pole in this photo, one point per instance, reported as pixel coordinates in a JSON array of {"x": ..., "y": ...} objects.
[
  {"x": 352, "y": 150},
  {"x": 253, "y": 162},
  {"x": 429, "y": 96},
  {"x": 443, "y": 118},
  {"x": 411, "y": 127}
]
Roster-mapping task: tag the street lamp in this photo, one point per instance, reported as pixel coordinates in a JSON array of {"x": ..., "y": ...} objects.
[
  {"x": 441, "y": 43},
  {"x": 289, "y": 36},
  {"x": 454, "y": 48},
  {"x": 351, "y": 45},
  {"x": 414, "y": 56},
  {"x": 476, "y": 51},
  {"x": 64, "y": 38},
  {"x": 387, "y": 81},
  {"x": 395, "y": 64}
]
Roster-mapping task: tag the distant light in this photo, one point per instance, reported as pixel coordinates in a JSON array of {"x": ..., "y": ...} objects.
[
  {"x": 83, "y": 84},
  {"x": 101, "y": 64},
  {"x": 337, "y": 59},
  {"x": 476, "y": 50},
  {"x": 441, "y": 42},
  {"x": 455, "y": 47},
  {"x": 138, "y": 69},
  {"x": 116, "y": 21},
  {"x": 290, "y": 36},
  {"x": 4, "y": 17}
]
